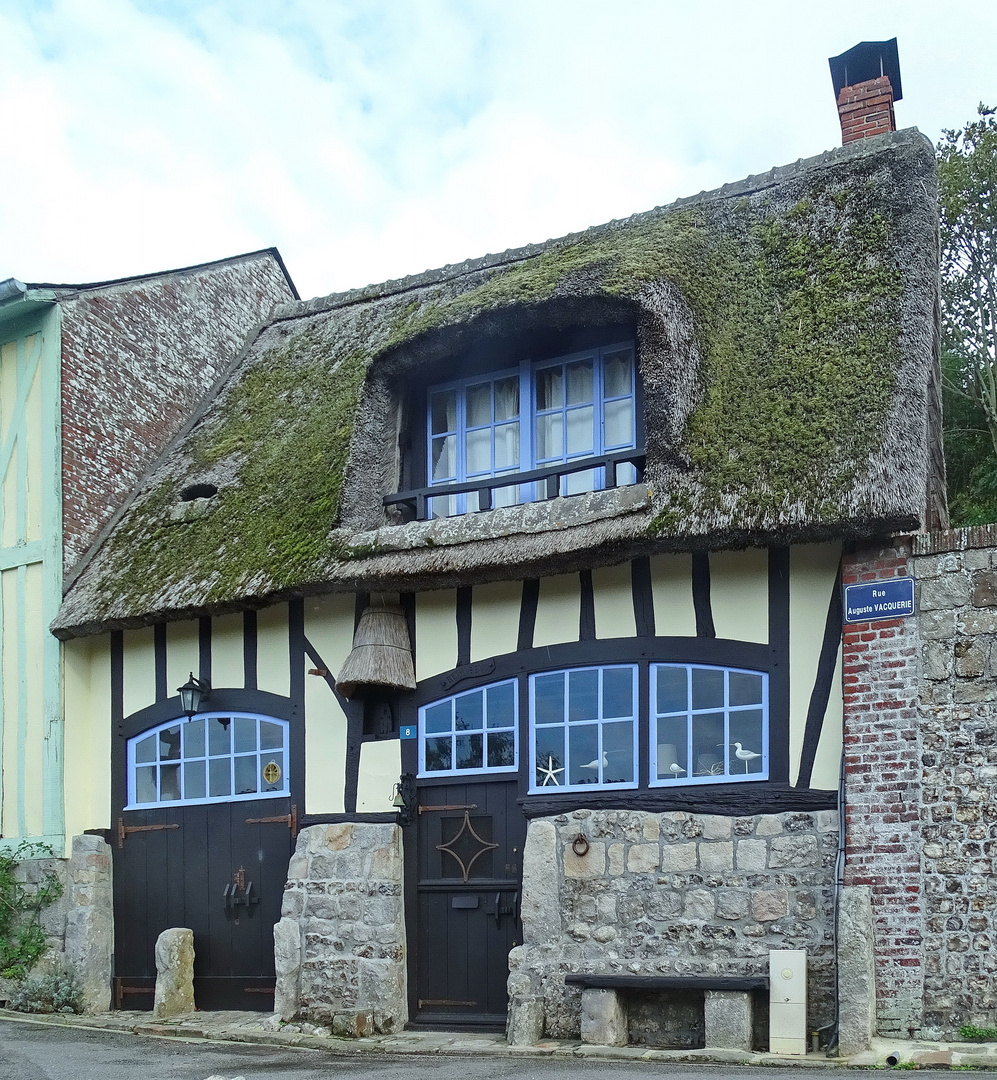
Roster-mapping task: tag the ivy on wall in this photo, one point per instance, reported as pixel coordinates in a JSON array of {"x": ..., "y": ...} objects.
[{"x": 22, "y": 939}]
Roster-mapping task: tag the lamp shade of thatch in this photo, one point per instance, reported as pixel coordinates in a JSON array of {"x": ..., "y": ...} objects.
[{"x": 382, "y": 653}]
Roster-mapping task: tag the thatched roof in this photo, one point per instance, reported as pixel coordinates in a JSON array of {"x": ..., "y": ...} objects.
[{"x": 785, "y": 329}]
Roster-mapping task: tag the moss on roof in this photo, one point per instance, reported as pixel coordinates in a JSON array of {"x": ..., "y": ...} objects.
[{"x": 798, "y": 294}]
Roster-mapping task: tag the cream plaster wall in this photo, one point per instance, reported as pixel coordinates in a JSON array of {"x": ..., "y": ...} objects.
[
  {"x": 380, "y": 767},
  {"x": 612, "y": 589},
  {"x": 87, "y": 777},
  {"x": 273, "y": 664},
  {"x": 228, "y": 658},
  {"x": 139, "y": 663},
  {"x": 558, "y": 610},
  {"x": 671, "y": 585},
  {"x": 435, "y": 633},
  {"x": 739, "y": 594},
  {"x": 495, "y": 618}
]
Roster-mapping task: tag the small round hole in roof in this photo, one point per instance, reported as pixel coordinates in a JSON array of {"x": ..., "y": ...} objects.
[{"x": 198, "y": 491}]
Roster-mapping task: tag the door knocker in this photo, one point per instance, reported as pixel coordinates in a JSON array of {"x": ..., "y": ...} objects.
[{"x": 580, "y": 845}]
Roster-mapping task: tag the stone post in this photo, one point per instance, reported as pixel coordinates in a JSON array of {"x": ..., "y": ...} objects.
[
  {"x": 856, "y": 970},
  {"x": 90, "y": 920},
  {"x": 604, "y": 1018},
  {"x": 174, "y": 973}
]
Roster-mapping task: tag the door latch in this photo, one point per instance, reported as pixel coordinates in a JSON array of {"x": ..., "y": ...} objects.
[{"x": 239, "y": 894}]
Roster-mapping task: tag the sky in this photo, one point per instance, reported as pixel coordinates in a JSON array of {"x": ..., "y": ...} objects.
[{"x": 369, "y": 139}]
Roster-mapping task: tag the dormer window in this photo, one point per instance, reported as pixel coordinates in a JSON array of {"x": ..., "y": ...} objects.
[{"x": 560, "y": 426}]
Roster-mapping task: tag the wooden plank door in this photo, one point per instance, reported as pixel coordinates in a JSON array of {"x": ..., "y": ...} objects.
[
  {"x": 469, "y": 843},
  {"x": 196, "y": 867}
]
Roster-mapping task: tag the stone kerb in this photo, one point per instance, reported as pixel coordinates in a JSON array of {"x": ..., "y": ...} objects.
[
  {"x": 340, "y": 943},
  {"x": 668, "y": 894}
]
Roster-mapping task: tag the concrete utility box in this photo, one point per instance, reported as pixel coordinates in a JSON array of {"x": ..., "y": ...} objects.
[{"x": 788, "y": 1001}]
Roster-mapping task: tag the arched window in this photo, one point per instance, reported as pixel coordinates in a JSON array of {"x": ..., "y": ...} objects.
[
  {"x": 471, "y": 732},
  {"x": 210, "y": 757},
  {"x": 709, "y": 725}
]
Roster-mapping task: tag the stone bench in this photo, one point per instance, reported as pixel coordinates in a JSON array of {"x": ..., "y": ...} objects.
[{"x": 727, "y": 1005}]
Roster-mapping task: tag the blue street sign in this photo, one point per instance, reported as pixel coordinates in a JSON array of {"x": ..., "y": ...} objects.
[
  {"x": 890, "y": 599},
  {"x": 408, "y": 731}
]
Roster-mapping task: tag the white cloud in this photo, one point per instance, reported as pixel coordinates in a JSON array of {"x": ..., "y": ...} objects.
[{"x": 368, "y": 139}]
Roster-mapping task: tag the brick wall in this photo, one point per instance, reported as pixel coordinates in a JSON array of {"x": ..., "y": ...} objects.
[
  {"x": 883, "y": 788},
  {"x": 136, "y": 358},
  {"x": 866, "y": 109}
]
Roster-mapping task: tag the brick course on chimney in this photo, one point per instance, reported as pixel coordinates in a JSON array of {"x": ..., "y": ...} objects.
[{"x": 866, "y": 109}]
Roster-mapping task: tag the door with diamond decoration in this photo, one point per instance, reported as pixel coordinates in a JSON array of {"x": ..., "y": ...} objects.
[{"x": 469, "y": 840}]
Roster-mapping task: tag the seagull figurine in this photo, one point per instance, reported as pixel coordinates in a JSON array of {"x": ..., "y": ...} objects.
[
  {"x": 594, "y": 764},
  {"x": 675, "y": 769},
  {"x": 744, "y": 755},
  {"x": 549, "y": 773}
]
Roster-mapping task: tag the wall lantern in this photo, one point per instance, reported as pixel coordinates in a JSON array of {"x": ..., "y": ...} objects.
[{"x": 193, "y": 694}]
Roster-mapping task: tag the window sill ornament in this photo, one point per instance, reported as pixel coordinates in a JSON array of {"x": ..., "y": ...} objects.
[
  {"x": 193, "y": 695},
  {"x": 382, "y": 651}
]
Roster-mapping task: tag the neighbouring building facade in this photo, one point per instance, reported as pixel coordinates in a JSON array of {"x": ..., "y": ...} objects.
[{"x": 477, "y": 646}]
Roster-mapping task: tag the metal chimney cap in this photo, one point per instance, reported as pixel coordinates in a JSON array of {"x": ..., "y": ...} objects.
[
  {"x": 11, "y": 288},
  {"x": 865, "y": 61}
]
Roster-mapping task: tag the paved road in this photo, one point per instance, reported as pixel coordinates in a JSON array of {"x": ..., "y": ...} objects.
[{"x": 32, "y": 1051}]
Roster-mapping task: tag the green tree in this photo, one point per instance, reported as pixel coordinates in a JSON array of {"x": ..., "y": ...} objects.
[{"x": 967, "y": 166}]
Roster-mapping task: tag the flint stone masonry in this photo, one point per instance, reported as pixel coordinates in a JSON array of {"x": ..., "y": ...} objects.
[
  {"x": 340, "y": 943},
  {"x": 668, "y": 906},
  {"x": 174, "y": 973}
]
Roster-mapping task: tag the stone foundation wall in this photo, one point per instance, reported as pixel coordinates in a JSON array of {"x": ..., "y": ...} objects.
[
  {"x": 79, "y": 926},
  {"x": 672, "y": 894},
  {"x": 340, "y": 943}
]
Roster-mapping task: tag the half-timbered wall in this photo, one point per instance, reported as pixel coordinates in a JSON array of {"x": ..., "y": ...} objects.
[{"x": 30, "y": 579}]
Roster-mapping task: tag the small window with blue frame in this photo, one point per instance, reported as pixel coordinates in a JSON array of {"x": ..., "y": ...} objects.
[
  {"x": 473, "y": 732},
  {"x": 709, "y": 725},
  {"x": 583, "y": 728}
]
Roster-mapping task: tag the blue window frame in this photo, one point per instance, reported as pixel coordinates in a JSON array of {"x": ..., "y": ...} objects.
[
  {"x": 583, "y": 728},
  {"x": 476, "y": 731},
  {"x": 208, "y": 758},
  {"x": 528, "y": 417},
  {"x": 709, "y": 725}
]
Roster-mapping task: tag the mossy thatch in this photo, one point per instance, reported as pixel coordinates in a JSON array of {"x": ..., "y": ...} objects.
[{"x": 810, "y": 294}]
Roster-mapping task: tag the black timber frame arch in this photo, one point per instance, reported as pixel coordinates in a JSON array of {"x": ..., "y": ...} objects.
[{"x": 221, "y": 700}]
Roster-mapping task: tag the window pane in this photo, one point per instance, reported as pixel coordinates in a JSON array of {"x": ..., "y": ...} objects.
[
  {"x": 219, "y": 776},
  {"x": 506, "y": 447},
  {"x": 479, "y": 404},
  {"x": 617, "y": 692},
  {"x": 502, "y": 705},
  {"x": 619, "y": 424},
  {"x": 673, "y": 758},
  {"x": 580, "y": 432},
  {"x": 468, "y": 751},
  {"x": 438, "y": 754},
  {"x": 746, "y": 737},
  {"x": 579, "y": 382},
  {"x": 443, "y": 506},
  {"x": 169, "y": 783},
  {"x": 673, "y": 689},
  {"x": 443, "y": 410},
  {"x": 478, "y": 450},
  {"x": 444, "y": 458},
  {"x": 625, "y": 474},
  {"x": 618, "y": 374},
  {"x": 193, "y": 780},
  {"x": 583, "y": 754},
  {"x": 146, "y": 749},
  {"x": 272, "y": 766},
  {"x": 550, "y": 437},
  {"x": 550, "y": 390},
  {"x": 550, "y": 757},
  {"x": 169, "y": 744},
  {"x": 707, "y": 688},
  {"x": 245, "y": 734},
  {"x": 583, "y": 694},
  {"x": 438, "y": 717},
  {"x": 548, "y": 697},
  {"x": 145, "y": 785},
  {"x": 219, "y": 741},
  {"x": 271, "y": 736},
  {"x": 468, "y": 712},
  {"x": 501, "y": 749},
  {"x": 193, "y": 739},
  {"x": 745, "y": 689},
  {"x": 708, "y": 751},
  {"x": 245, "y": 774},
  {"x": 618, "y": 753},
  {"x": 580, "y": 482},
  {"x": 507, "y": 399}
]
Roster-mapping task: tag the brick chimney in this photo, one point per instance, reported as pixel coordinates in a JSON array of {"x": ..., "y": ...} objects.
[{"x": 866, "y": 82}]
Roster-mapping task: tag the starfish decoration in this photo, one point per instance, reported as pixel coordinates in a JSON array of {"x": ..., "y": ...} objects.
[{"x": 549, "y": 773}]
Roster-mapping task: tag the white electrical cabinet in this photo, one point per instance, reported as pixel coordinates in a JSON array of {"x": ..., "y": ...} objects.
[{"x": 788, "y": 1002}]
